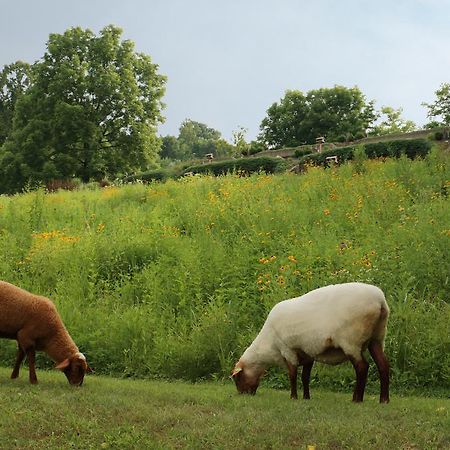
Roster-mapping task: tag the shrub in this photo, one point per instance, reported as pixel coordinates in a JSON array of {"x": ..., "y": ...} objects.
[
  {"x": 359, "y": 158},
  {"x": 68, "y": 184},
  {"x": 245, "y": 165},
  {"x": 255, "y": 147},
  {"x": 302, "y": 152},
  {"x": 411, "y": 148},
  {"x": 438, "y": 136},
  {"x": 343, "y": 154}
]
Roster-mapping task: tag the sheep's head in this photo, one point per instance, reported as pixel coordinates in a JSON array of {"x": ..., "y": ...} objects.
[
  {"x": 246, "y": 378},
  {"x": 75, "y": 368}
]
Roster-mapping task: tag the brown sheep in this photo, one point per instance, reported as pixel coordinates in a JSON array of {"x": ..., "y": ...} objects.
[{"x": 34, "y": 322}]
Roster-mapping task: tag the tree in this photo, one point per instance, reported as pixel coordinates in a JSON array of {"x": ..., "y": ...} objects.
[
  {"x": 197, "y": 139},
  {"x": 282, "y": 127},
  {"x": 92, "y": 110},
  {"x": 337, "y": 111},
  {"x": 440, "y": 109},
  {"x": 329, "y": 112},
  {"x": 170, "y": 148},
  {"x": 242, "y": 147},
  {"x": 14, "y": 81},
  {"x": 392, "y": 122}
]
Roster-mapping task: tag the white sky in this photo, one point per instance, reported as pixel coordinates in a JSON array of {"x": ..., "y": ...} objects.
[{"x": 228, "y": 61}]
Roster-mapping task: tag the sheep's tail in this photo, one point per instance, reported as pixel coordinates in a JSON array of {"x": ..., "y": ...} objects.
[{"x": 379, "y": 331}]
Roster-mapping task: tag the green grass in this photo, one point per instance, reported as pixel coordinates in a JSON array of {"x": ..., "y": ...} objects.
[{"x": 113, "y": 413}]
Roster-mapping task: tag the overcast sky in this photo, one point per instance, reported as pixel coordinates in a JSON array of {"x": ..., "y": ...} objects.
[{"x": 228, "y": 61}]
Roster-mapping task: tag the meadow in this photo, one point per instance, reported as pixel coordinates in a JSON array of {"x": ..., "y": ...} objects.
[
  {"x": 108, "y": 413},
  {"x": 173, "y": 280}
]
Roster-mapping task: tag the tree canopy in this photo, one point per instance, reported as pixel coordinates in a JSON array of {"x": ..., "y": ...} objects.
[
  {"x": 91, "y": 110},
  {"x": 331, "y": 112},
  {"x": 439, "y": 110},
  {"x": 14, "y": 81},
  {"x": 195, "y": 140}
]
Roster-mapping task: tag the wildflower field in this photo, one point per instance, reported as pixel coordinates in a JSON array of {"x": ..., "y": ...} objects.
[{"x": 174, "y": 280}]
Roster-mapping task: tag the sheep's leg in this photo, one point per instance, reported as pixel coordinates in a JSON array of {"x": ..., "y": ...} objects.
[
  {"x": 27, "y": 346},
  {"x": 376, "y": 351},
  {"x": 292, "y": 379},
  {"x": 306, "y": 375},
  {"x": 19, "y": 359},
  {"x": 361, "y": 367},
  {"x": 31, "y": 365}
]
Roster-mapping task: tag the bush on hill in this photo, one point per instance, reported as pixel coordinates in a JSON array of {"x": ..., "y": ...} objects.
[
  {"x": 412, "y": 148},
  {"x": 243, "y": 165}
]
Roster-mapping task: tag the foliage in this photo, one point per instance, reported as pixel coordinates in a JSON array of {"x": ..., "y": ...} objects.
[
  {"x": 411, "y": 148},
  {"x": 195, "y": 140},
  {"x": 91, "y": 111},
  {"x": 241, "y": 146},
  {"x": 241, "y": 165},
  {"x": 150, "y": 175},
  {"x": 392, "y": 122},
  {"x": 14, "y": 81},
  {"x": 343, "y": 154},
  {"x": 331, "y": 112},
  {"x": 256, "y": 147},
  {"x": 302, "y": 151},
  {"x": 134, "y": 414},
  {"x": 175, "y": 279},
  {"x": 440, "y": 109},
  {"x": 170, "y": 148}
]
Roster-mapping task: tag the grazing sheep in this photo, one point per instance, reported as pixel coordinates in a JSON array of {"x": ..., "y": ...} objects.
[
  {"x": 35, "y": 323},
  {"x": 332, "y": 324}
]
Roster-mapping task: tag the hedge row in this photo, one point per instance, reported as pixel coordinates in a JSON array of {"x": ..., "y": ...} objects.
[
  {"x": 343, "y": 154},
  {"x": 411, "y": 148},
  {"x": 250, "y": 165}
]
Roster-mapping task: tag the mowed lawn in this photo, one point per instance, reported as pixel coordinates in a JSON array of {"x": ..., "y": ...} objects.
[{"x": 116, "y": 413}]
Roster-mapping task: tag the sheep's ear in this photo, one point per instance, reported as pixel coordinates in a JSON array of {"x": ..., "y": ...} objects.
[
  {"x": 62, "y": 365},
  {"x": 88, "y": 369},
  {"x": 236, "y": 371}
]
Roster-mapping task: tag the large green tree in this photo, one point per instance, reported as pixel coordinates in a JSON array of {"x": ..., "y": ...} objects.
[
  {"x": 14, "y": 81},
  {"x": 439, "y": 110},
  {"x": 92, "y": 110},
  {"x": 331, "y": 112},
  {"x": 195, "y": 140},
  {"x": 283, "y": 125}
]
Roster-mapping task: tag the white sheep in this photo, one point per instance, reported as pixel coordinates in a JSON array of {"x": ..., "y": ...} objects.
[
  {"x": 332, "y": 324},
  {"x": 34, "y": 322}
]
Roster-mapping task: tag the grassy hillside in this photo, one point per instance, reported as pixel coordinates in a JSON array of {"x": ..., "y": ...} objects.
[
  {"x": 111, "y": 413},
  {"x": 174, "y": 280}
]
